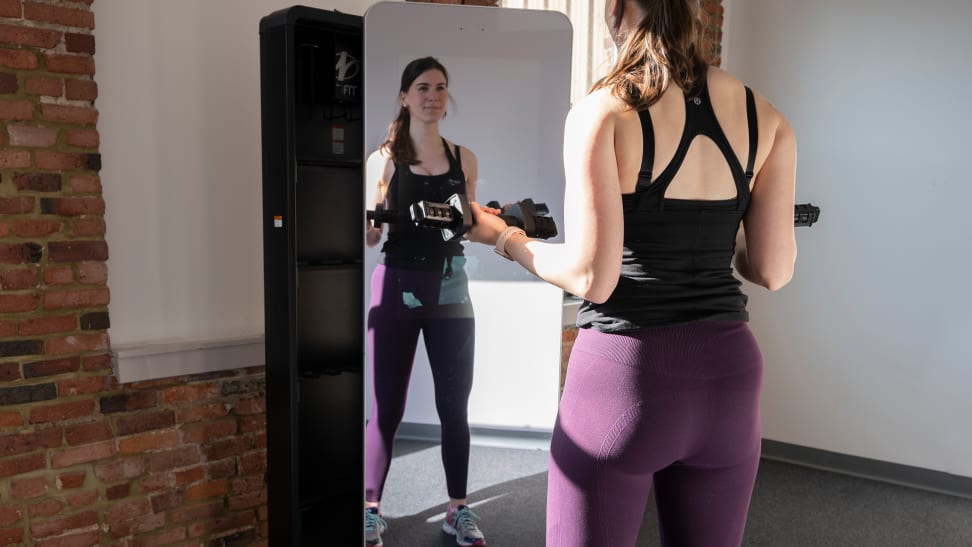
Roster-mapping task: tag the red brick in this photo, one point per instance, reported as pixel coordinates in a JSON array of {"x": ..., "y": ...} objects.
[
  {"x": 4, "y": 227},
  {"x": 127, "y": 402},
  {"x": 171, "y": 536},
  {"x": 221, "y": 469},
  {"x": 11, "y": 536},
  {"x": 253, "y": 462},
  {"x": 81, "y": 115},
  {"x": 7, "y": 329},
  {"x": 85, "y": 385},
  {"x": 173, "y": 459},
  {"x": 61, "y": 411},
  {"x": 20, "y": 253},
  {"x": 58, "y": 161},
  {"x": 45, "y": 13},
  {"x": 10, "y": 514},
  {"x": 189, "y": 476},
  {"x": 9, "y": 83},
  {"x": 11, "y": 8},
  {"x": 197, "y": 512},
  {"x": 85, "y": 184},
  {"x": 16, "y": 110},
  {"x": 80, "y": 90},
  {"x": 201, "y": 412},
  {"x": 59, "y": 275},
  {"x": 253, "y": 423},
  {"x": 96, "y": 363},
  {"x": 29, "y": 36},
  {"x": 246, "y": 407},
  {"x": 145, "y": 421},
  {"x": 76, "y": 298},
  {"x": 80, "y": 539},
  {"x": 83, "y": 138},
  {"x": 118, "y": 491},
  {"x": 191, "y": 392},
  {"x": 18, "y": 280},
  {"x": 47, "y": 508},
  {"x": 49, "y": 325},
  {"x": 32, "y": 136},
  {"x": 57, "y": 527},
  {"x": 208, "y": 431},
  {"x": 52, "y": 367},
  {"x": 78, "y": 344},
  {"x": 206, "y": 490},
  {"x": 70, "y": 481},
  {"x": 93, "y": 273},
  {"x": 16, "y": 466},
  {"x": 21, "y": 59},
  {"x": 138, "y": 525},
  {"x": 157, "y": 482},
  {"x": 87, "y": 433},
  {"x": 119, "y": 470},
  {"x": 13, "y": 303},
  {"x": 226, "y": 448},
  {"x": 83, "y": 499},
  {"x": 10, "y": 419},
  {"x": 83, "y": 454},
  {"x": 38, "y": 182},
  {"x": 29, "y": 487},
  {"x": 74, "y": 206},
  {"x": 128, "y": 510},
  {"x": 71, "y": 64},
  {"x": 13, "y": 206},
  {"x": 43, "y": 85},
  {"x": 88, "y": 227},
  {"x": 14, "y": 159},
  {"x": 245, "y": 485},
  {"x": 22, "y": 443},
  {"x": 79, "y": 43},
  {"x": 34, "y": 228},
  {"x": 250, "y": 500},
  {"x": 144, "y": 442}
]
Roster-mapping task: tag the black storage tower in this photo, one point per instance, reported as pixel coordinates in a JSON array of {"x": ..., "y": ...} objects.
[{"x": 313, "y": 250}]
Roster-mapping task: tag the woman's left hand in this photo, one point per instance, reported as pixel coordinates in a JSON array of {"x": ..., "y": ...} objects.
[{"x": 487, "y": 226}]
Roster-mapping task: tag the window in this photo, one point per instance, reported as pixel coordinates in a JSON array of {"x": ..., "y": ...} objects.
[{"x": 592, "y": 45}]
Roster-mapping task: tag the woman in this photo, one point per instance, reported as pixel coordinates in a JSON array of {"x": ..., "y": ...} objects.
[
  {"x": 675, "y": 173},
  {"x": 419, "y": 286}
]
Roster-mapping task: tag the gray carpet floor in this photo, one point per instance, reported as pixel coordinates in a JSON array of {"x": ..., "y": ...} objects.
[{"x": 792, "y": 506}]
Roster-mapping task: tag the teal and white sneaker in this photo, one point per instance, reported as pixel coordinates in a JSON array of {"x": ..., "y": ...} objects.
[
  {"x": 461, "y": 522},
  {"x": 374, "y": 526}
]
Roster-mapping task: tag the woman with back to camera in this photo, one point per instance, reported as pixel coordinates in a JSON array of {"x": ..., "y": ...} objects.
[
  {"x": 420, "y": 286},
  {"x": 675, "y": 173}
]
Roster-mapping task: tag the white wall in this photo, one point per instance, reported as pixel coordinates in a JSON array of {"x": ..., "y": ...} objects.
[
  {"x": 179, "y": 103},
  {"x": 867, "y": 350}
]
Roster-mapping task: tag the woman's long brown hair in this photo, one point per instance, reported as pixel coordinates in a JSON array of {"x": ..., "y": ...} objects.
[
  {"x": 398, "y": 143},
  {"x": 662, "y": 50}
]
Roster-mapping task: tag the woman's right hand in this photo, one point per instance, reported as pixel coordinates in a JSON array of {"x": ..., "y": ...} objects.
[{"x": 487, "y": 225}]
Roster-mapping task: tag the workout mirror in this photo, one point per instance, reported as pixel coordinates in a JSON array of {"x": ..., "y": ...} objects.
[{"x": 509, "y": 87}]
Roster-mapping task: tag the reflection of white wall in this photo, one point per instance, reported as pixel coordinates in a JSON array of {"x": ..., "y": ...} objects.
[
  {"x": 510, "y": 78},
  {"x": 867, "y": 350}
]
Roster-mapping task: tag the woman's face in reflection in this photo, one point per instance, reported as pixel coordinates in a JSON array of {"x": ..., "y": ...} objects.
[{"x": 427, "y": 97}]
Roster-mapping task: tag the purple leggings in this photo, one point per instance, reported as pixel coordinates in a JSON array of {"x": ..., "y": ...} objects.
[
  {"x": 405, "y": 303},
  {"x": 674, "y": 409}
]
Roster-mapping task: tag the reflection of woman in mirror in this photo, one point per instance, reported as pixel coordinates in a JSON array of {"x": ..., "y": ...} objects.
[
  {"x": 666, "y": 161},
  {"x": 420, "y": 286}
]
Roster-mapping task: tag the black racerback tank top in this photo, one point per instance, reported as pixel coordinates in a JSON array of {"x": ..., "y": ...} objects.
[
  {"x": 407, "y": 245},
  {"x": 676, "y": 265}
]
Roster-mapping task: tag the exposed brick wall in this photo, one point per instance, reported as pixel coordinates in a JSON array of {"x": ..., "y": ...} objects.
[
  {"x": 711, "y": 16},
  {"x": 83, "y": 460}
]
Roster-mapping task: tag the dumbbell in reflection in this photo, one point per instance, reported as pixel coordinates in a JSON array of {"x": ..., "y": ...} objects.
[{"x": 452, "y": 217}]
